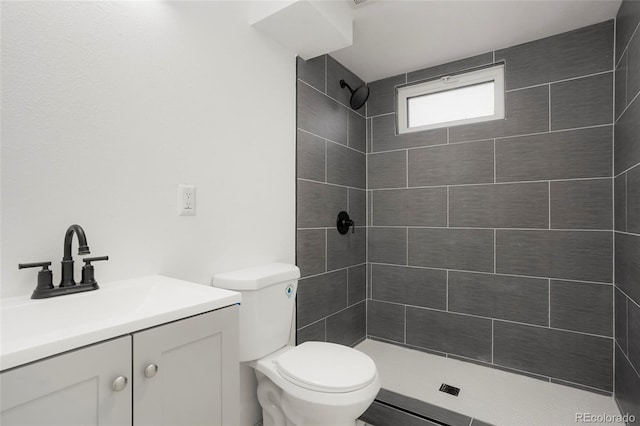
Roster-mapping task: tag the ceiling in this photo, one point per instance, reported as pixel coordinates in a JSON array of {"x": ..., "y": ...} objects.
[{"x": 395, "y": 36}]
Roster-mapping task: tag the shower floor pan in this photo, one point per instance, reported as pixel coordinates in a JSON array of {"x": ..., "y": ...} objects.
[{"x": 410, "y": 394}]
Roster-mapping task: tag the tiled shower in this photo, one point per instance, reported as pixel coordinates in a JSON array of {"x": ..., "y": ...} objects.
[
  {"x": 331, "y": 172},
  {"x": 627, "y": 209},
  {"x": 513, "y": 218},
  {"x": 493, "y": 242}
]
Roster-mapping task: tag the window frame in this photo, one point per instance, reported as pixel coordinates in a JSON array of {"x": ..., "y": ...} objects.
[{"x": 494, "y": 74}]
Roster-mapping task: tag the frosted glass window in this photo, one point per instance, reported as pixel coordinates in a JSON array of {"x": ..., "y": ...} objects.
[
  {"x": 452, "y": 100},
  {"x": 452, "y": 105}
]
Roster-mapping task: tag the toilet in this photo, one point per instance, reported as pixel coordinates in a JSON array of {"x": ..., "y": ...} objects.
[{"x": 314, "y": 383}]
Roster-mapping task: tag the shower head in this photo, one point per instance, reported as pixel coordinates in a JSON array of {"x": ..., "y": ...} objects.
[{"x": 358, "y": 96}]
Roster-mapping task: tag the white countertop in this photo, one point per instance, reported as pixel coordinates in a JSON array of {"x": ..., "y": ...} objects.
[{"x": 35, "y": 329}]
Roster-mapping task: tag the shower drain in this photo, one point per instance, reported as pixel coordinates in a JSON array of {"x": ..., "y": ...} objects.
[{"x": 451, "y": 390}]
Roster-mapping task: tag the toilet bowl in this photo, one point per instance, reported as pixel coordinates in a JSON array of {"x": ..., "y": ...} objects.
[
  {"x": 312, "y": 384},
  {"x": 315, "y": 383}
]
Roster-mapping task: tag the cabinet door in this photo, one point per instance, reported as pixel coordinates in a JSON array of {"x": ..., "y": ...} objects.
[
  {"x": 74, "y": 388},
  {"x": 196, "y": 382}
]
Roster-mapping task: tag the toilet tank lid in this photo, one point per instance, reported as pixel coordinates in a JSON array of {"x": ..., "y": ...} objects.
[{"x": 256, "y": 277}]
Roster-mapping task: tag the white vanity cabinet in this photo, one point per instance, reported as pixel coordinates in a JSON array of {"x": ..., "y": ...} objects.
[
  {"x": 74, "y": 388},
  {"x": 180, "y": 373},
  {"x": 186, "y": 372}
]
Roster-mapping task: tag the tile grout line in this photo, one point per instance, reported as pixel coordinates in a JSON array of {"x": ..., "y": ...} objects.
[
  {"x": 527, "y": 324},
  {"x": 626, "y": 203},
  {"x": 549, "y": 302},
  {"x": 366, "y": 301},
  {"x": 333, "y": 184},
  {"x": 498, "y": 138},
  {"x": 627, "y": 170},
  {"x": 348, "y": 288},
  {"x": 348, "y": 206},
  {"x": 310, "y": 324},
  {"x": 613, "y": 202},
  {"x": 628, "y": 297},
  {"x": 407, "y": 234},
  {"x": 549, "y": 204},
  {"x": 329, "y": 97},
  {"x": 478, "y": 228},
  {"x": 405, "y": 325},
  {"x": 549, "y": 107},
  {"x": 624, "y": 51},
  {"x": 495, "y": 160},
  {"x": 326, "y": 73},
  {"x": 615, "y": 45},
  {"x": 447, "y": 292},
  {"x": 533, "y": 86},
  {"x": 626, "y": 320},
  {"x": 368, "y": 275},
  {"x": 381, "y": 115},
  {"x": 326, "y": 156},
  {"x": 348, "y": 136},
  {"x": 442, "y": 185},
  {"x": 633, "y": 234},
  {"x": 633, "y": 367},
  {"x": 370, "y": 138},
  {"x": 492, "y": 338},
  {"x": 326, "y": 251},
  {"x": 495, "y": 251},
  {"x": 626, "y": 82},
  {"x": 627, "y": 107},
  {"x": 406, "y": 162},
  {"x": 300, "y": 129},
  {"x": 484, "y": 363},
  {"x": 613, "y": 333},
  {"x": 343, "y": 309},
  {"x": 635, "y": 30},
  {"x": 490, "y": 273},
  {"x": 448, "y": 208}
]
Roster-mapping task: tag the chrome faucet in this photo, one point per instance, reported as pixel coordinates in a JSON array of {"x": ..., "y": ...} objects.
[{"x": 67, "y": 261}]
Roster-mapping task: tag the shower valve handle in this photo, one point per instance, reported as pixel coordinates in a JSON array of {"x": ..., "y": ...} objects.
[{"x": 344, "y": 222}]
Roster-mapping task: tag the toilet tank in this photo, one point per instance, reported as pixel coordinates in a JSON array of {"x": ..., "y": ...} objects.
[{"x": 266, "y": 311}]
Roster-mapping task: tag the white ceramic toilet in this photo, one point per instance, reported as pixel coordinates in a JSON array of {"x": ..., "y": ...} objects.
[{"x": 315, "y": 383}]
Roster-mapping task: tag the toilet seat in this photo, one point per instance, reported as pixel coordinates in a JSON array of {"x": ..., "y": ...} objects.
[
  {"x": 326, "y": 367},
  {"x": 319, "y": 401}
]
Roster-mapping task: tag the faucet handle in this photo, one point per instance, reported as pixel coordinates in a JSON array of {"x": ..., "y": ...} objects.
[
  {"x": 43, "y": 265},
  {"x": 87, "y": 260},
  {"x": 45, "y": 277},
  {"x": 87, "y": 270}
]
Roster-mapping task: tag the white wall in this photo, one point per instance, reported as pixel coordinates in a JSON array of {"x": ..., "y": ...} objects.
[{"x": 107, "y": 107}]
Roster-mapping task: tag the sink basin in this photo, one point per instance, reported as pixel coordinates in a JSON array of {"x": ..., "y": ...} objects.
[{"x": 35, "y": 329}]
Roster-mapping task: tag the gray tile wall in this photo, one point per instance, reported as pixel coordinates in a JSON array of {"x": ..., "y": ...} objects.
[
  {"x": 627, "y": 208},
  {"x": 493, "y": 242},
  {"x": 331, "y": 176}
]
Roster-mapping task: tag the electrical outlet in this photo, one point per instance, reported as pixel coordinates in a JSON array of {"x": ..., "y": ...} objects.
[{"x": 186, "y": 200}]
